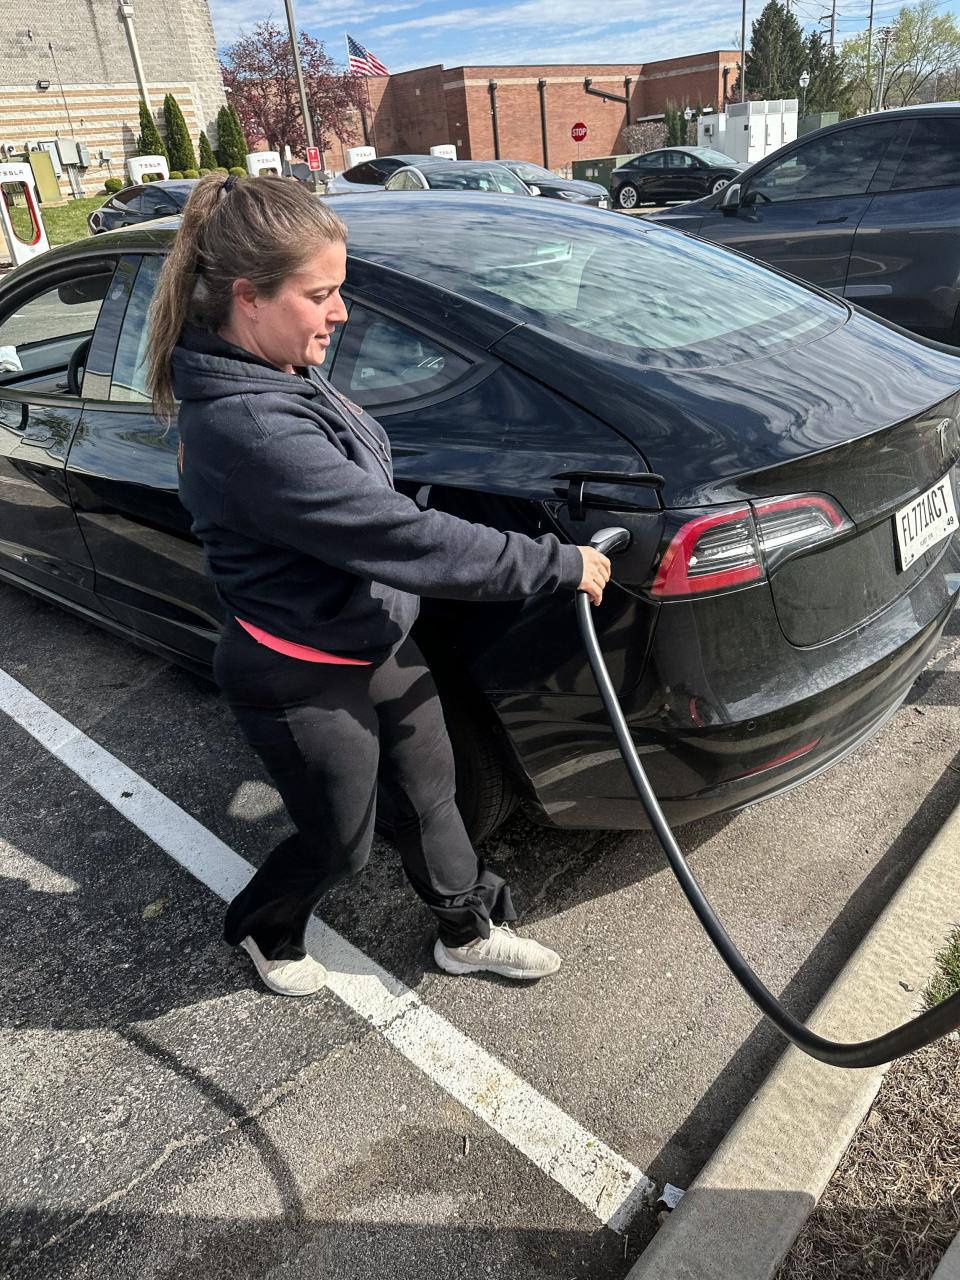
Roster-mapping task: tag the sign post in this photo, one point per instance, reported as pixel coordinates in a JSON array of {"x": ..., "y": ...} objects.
[{"x": 578, "y": 133}]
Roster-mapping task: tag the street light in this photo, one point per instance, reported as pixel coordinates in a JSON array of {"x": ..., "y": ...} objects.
[{"x": 804, "y": 81}]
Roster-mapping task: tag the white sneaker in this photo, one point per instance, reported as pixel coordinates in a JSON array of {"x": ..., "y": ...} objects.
[
  {"x": 503, "y": 952},
  {"x": 287, "y": 977}
]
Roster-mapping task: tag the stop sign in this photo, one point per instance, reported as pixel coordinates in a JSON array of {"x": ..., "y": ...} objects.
[{"x": 578, "y": 131}]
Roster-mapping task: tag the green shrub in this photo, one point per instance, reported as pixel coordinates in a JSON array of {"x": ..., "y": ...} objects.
[
  {"x": 191, "y": 173},
  {"x": 113, "y": 185},
  {"x": 221, "y": 169},
  {"x": 204, "y": 172},
  {"x": 239, "y": 170},
  {"x": 179, "y": 143},
  {"x": 208, "y": 160},
  {"x": 175, "y": 173},
  {"x": 149, "y": 142},
  {"x": 232, "y": 150}
]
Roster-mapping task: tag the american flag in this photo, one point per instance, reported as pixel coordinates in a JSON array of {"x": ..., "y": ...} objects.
[{"x": 362, "y": 61}]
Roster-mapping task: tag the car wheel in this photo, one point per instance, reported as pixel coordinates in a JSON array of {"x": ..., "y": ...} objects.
[
  {"x": 628, "y": 197},
  {"x": 719, "y": 185},
  {"x": 485, "y": 794}
]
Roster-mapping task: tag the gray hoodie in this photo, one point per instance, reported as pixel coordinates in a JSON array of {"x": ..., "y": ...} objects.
[{"x": 290, "y": 487}]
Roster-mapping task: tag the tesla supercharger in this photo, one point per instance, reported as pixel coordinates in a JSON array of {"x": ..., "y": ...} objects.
[
  {"x": 445, "y": 150},
  {"x": 23, "y": 227},
  {"x": 359, "y": 155},
  {"x": 140, "y": 168},
  {"x": 261, "y": 162}
]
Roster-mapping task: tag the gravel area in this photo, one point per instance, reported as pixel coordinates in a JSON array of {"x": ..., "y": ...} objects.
[{"x": 892, "y": 1208}]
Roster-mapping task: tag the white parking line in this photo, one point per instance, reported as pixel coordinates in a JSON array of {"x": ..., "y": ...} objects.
[{"x": 607, "y": 1185}]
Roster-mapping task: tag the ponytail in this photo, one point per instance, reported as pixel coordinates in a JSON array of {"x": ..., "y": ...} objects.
[{"x": 256, "y": 228}]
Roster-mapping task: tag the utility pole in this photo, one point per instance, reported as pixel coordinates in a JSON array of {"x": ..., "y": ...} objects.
[
  {"x": 833, "y": 24},
  {"x": 869, "y": 54},
  {"x": 883, "y": 35},
  {"x": 126, "y": 13},
  {"x": 304, "y": 105},
  {"x": 743, "y": 52}
]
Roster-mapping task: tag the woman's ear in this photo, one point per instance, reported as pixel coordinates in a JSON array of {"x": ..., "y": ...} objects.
[{"x": 245, "y": 297}]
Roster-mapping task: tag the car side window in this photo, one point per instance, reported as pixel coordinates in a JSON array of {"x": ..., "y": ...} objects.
[
  {"x": 841, "y": 164},
  {"x": 42, "y": 333},
  {"x": 679, "y": 160},
  {"x": 932, "y": 156},
  {"x": 129, "y": 379},
  {"x": 123, "y": 198},
  {"x": 365, "y": 172},
  {"x": 656, "y": 160},
  {"x": 381, "y": 361},
  {"x": 405, "y": 182}
]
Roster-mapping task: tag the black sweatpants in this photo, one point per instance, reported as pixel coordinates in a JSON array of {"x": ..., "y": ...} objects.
[{"x": 324, "y": 733}]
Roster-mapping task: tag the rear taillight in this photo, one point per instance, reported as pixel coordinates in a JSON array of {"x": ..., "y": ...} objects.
[
  {"x": 710, "y": 553},
  {"x": 789, "y": 525},
  {"x": 719, "y": 551}
]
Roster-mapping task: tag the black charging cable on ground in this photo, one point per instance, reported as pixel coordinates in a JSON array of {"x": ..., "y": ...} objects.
[{"x": 920, "y": 1031}]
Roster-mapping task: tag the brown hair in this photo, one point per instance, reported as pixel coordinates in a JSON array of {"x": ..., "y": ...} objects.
[{"x": 256, "y": 228}]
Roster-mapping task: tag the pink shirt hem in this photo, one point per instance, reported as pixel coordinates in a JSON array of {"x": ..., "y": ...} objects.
[{"x": 301, "y": 651}]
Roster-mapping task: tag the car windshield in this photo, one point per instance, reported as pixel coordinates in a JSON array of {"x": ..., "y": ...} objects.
[
  {"x": 709, "y": 156},
  {"x": 532, "y": 172},
  {"x": 492, "y": 179},
  {"x": 640, "y": 294}
]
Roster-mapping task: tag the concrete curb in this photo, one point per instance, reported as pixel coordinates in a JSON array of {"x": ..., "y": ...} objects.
[
  {"x": 742, "y": 1214},
  {"x": 949, "y": 1268}
]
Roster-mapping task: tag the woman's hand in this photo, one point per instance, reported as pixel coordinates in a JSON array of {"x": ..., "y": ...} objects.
[{"x": 596, "y": 573}]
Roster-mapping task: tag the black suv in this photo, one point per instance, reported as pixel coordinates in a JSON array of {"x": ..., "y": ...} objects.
[{"x": 868, "y": 208}]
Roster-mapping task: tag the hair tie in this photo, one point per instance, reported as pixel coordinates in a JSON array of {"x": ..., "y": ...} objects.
[{"x": 229, "y": 184}]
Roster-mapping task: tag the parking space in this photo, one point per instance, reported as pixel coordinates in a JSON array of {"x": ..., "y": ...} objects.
[{"x": 166, "y": 1107}]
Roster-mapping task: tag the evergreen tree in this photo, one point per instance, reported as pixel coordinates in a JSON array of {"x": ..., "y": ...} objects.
[
  {"x": 777, "y": 54},
  {"x": 207, "y": 159},
  {"x": 232, "y": 146},
  {"x": 676, "y": 126},
  {"x": 830, "y": 88},
  {"x": 179, "y": 142},
  {"x": 149, "y": 143}
]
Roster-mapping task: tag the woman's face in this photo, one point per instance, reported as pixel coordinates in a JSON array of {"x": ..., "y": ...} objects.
[{"x": 294, "y": 327}]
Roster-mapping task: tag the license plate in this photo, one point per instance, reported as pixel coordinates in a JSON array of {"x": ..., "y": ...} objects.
[{"x": 925, "y": 521}]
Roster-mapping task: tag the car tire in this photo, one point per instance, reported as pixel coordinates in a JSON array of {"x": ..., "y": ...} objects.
[
  {"x": 485, "y": 793},
  {"x": 628, "y": 197},
  {"x": 719, "y": 185}
]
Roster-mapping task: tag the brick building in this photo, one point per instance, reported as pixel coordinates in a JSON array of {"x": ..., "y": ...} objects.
[
  {"x": 414, "y": 110},
  {"x": 86, "y": 88}
]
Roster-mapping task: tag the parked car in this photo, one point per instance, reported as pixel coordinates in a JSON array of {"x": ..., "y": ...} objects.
[
  {"x": 672, "y": 173},
  {"x": 459, "y": 175},
  {"x": 867, "y": 208},
  {"x": 553, "y": 187},
  {"x": 786, "y": 466},
  {"x": 371, "y": 174},
  {"x": 141, "y": 202}
]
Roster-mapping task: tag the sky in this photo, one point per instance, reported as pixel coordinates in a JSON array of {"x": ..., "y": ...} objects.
[{"x": 416, "y": 33}]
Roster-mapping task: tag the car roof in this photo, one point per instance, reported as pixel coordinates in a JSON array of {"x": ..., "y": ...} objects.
[
  {"x": 438, "y": 162},
  {"x": 173, "y": 184}
]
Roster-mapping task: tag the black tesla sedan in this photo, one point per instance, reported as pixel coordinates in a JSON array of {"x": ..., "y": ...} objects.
[
  {"x": 142, "y": 202},
  {"x": 672, "y": 173},
  {"x": 553, "y": 187},
  {"x": 786, "y": 466},
  {"x": 868, "y": 208}
]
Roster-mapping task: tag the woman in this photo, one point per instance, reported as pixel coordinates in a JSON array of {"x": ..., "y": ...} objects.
[{"x": 319, "y": 563}]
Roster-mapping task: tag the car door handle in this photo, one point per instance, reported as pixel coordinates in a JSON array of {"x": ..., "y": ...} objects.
[{"x": 822, "y": 222}]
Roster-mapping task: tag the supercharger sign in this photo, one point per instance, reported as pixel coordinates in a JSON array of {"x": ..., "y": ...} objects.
[
  {"x": 263, "y": 162},
  {"x": 140, "y": 168},
  {"x": 20, "y": 215}
]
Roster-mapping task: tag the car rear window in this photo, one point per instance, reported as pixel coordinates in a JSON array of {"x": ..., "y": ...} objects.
[{"x": 634, "y": 291}]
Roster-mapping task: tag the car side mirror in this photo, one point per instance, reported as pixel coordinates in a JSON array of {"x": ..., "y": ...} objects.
[
  {"x": 730, "y": 200},
  {"x": 534, "y": 191}
]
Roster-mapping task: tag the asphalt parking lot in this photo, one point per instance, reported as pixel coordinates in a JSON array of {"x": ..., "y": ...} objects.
[{"x": 163, "y": 1115}]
